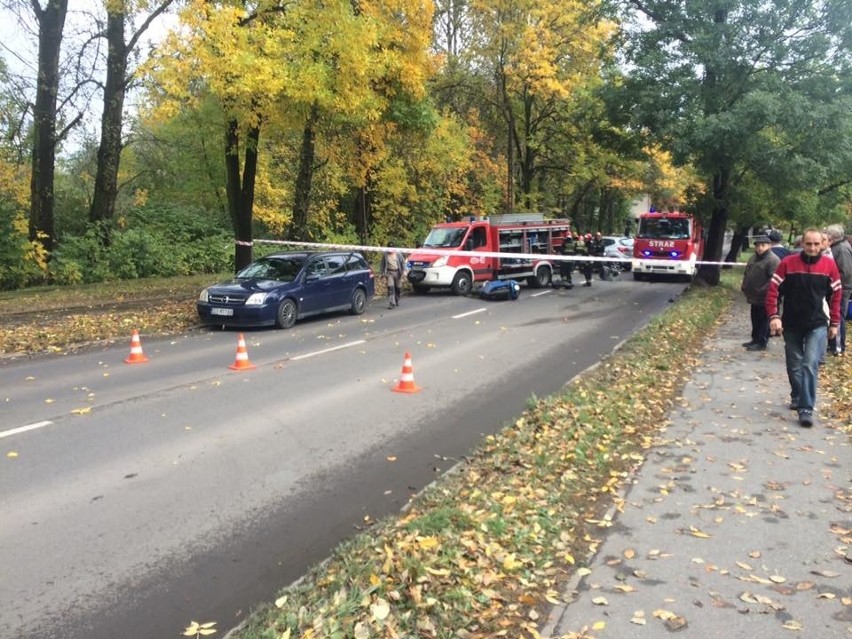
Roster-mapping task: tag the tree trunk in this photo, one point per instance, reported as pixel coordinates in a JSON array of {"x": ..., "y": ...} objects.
[
  {"x": 241, "y": 190},
  {"x": 51, "y": 23},
  {"x": 738, "y": 243},
  {"x": 709, "y": 275},
  {"x": 109, "y": 151},
  {"x": 304, "y": 180},
  {"x": 362, "y": 213}
]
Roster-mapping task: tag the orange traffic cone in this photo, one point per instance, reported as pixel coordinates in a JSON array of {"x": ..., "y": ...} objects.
[
  {"x": 136, "y": 355},
  {"x": 406, "y": 381},
  {"x": 242, "y": 362}
]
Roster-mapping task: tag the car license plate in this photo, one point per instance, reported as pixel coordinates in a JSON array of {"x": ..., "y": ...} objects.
[{"x": 222, "y": 311}]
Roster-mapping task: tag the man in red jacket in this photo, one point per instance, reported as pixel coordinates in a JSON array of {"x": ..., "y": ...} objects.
[{"x": 807, "y": 285}]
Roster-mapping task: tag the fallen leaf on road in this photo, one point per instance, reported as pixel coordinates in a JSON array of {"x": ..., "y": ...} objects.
[
  {"x": 639, "y": 618},
  {"x": 675, "y": 623},
  {"x": 825, "y": 573},
  {"x": 792, "y": 625},
  {"x": 600, "y": 601}
]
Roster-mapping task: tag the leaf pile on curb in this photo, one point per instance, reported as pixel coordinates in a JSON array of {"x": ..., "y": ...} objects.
[{"x": 489, "y": 547}]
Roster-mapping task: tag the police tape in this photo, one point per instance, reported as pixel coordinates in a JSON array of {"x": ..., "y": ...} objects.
[{"x": 448, "y": 252}]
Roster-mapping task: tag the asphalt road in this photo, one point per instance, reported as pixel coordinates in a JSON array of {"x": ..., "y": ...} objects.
[{"x": 136, "y": 498}]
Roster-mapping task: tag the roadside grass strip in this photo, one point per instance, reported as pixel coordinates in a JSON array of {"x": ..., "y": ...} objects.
[{"x": 487, "y": 549}]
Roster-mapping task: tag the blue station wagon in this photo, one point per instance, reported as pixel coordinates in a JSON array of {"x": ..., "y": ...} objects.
[{"x": 279, "y": 289}]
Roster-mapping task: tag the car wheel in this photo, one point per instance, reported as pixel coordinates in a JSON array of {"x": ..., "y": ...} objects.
[
  {"x": 286, "y": 315},
  {"x": 462, "y": 283},
  {"x": 359, "y": 301}
]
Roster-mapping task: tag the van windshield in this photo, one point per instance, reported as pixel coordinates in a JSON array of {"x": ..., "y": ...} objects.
[
  {"x": 445, "y": 237},
  {"x": 664, "y": 228}
]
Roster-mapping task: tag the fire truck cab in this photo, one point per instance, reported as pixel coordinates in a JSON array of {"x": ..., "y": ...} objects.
[
  {"x": 458, "y": 254},
  {"x": 667, "y": 244}
]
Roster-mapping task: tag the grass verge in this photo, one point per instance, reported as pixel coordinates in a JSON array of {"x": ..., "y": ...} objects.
[
  {"x": 486, "y": 550},
  {"x": 60, "y": 319}
]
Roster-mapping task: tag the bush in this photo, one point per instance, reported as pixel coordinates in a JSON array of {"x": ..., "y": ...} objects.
[
  {"x": 22, "y": 262},
  {"x": 150, "y": 241}
]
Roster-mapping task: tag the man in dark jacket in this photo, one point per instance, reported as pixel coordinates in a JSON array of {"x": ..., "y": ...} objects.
[
  {"x": 758, "y": 273},
  {"x": 804, "y": 283},
  {"x": 842, "y": 253},
  {"x": 777, "y": 247},
  {"x": 566, "y": 267}
]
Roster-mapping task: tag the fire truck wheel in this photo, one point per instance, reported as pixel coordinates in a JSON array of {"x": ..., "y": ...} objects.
[
  {"x": 462, "y": 283},
  {"x": 541, "y": 279}
]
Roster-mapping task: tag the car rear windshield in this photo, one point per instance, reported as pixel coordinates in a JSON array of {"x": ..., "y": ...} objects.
[{"x": 273, "y": 268}]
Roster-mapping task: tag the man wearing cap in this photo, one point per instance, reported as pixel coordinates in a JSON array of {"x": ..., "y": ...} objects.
[
  {"x": 777, "y": 247},
  {"x": 758, "y": 273}
]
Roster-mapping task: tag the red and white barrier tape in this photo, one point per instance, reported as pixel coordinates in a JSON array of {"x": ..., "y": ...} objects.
[{"x": 438, "y": 251}]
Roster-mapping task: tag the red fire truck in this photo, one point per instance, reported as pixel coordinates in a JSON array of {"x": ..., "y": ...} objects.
[
  {"x": 667, "y": 244},
  {"x": 457, "y": 254}
]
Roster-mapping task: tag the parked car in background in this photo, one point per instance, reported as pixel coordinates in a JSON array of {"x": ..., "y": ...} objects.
[
  {"x": 619, "y": 247},
  {"x": 281, "y": 288}
]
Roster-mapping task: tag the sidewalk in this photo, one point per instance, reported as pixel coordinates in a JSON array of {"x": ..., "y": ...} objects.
[{"x": 738, "y": 526}]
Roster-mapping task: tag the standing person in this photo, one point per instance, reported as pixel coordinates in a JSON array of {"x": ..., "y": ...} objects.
[
  {"x": 803, "y": 283},
  {"x": 584, "y": 247},
  {"x": 842, "y": 252},
  {"x": 777, "y": 247},
  {"x": 597, "y": 250},
  {"x": 566, "y": 267},
  {"x": 393, "y": 267},
  {"x": 758, "y": 273}
]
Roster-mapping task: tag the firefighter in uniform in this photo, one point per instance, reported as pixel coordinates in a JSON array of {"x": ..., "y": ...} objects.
[
  {"x": 597, "y": 249},
  {"x": 584, "y": 248},
  {"x": 566, "y": 267}
]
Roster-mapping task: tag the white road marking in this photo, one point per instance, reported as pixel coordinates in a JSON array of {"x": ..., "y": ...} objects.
[
  {"x": 24, "y": 429},
  {"x": 328, "y": 350},
  {"x": 479, "y": 310},
  {"x": 547, "y": 292}
]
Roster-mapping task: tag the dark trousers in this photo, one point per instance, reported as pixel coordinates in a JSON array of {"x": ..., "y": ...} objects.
[
  {"x": 565, "y": 269},
  {"x": 759, "y": 324},
  {"x": 838, "y": 344}
]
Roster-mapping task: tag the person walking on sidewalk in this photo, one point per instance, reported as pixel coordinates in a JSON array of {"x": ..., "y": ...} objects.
[
  {"x": 393, "y": 267},
  {"x": 758, "y": 273},
  {"x": 802, "y": 284},
  {"x": 842, "y": 252}
]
